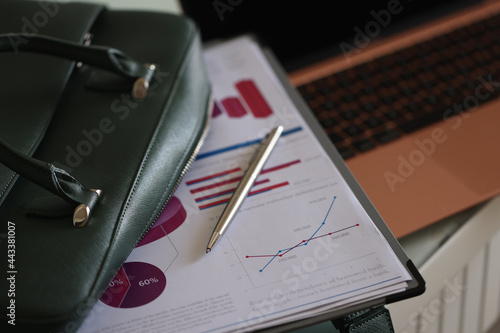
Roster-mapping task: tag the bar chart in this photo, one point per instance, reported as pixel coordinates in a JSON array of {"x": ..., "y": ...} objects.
[
  {"x": 249, "y": 101},
  {"x": 216, "y": 189}
]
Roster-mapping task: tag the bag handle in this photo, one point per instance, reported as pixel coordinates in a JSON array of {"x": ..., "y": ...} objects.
[
  {"x": 53, "y": 179},
  {"x": 46, "y": 175},
  {"x": 107, "y": 58}
]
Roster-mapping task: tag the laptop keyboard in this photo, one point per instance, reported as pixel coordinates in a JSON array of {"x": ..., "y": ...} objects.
[{"x": 379, "y": 101}]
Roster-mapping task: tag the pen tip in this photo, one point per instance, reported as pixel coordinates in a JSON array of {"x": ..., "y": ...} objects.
[{"x": 208, "y": 249}]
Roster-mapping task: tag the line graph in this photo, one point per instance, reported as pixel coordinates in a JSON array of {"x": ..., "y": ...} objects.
[{"x": 282, "y": 252}]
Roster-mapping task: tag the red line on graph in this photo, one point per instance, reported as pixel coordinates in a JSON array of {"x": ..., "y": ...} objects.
[
  {"x": 231, "y": 190},
  {"x": 269, "y": 188},
  {"x": 279, "y": 167},
  {"x": 215, "y": 175},
  {"x": 299, "y": 244}
]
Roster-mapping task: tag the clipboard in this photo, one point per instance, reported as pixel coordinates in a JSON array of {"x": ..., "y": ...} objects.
[{"x": 417, "y": 285}]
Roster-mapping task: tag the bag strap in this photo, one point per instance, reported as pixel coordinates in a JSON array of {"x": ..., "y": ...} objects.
[
  {"x": 53, "y": 179},
  {"x": 106, "y": 58},
  {"x": 46, "y": 175},
  {"x": 373, "y": 320}
]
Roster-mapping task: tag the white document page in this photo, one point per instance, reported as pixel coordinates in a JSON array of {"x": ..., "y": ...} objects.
[{"x": 301, "y": 244}]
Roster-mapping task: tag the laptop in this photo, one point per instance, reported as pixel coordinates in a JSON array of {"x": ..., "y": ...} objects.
[{"x": 407, "y": 91}]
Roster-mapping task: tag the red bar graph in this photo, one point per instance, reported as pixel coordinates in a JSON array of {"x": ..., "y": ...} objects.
[
  {"x": 219, "y": 191},
  {"x": 233, "y": 107},
  {"x": 265, "y": 189},
  {"x": 254, "y": 99},
  {"x": 214, "y": 185},
  {"x": 213, "y": 176},
  {"x": 228, "y": 191},
  {"x": 279, "y": 167}
]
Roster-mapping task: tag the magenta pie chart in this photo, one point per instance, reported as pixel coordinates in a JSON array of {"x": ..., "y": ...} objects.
[
  {"x": 136, "y": 284},
  {"x": 169, "y": 220}
]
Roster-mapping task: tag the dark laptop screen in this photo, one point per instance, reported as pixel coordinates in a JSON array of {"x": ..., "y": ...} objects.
[{"x": 301, "y": 32}]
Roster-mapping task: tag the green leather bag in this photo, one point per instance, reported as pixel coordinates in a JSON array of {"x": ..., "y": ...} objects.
[{"x": 81, "y": 118}]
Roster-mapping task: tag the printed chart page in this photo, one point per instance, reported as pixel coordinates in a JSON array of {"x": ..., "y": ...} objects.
[{"x": 300, "y": 245}]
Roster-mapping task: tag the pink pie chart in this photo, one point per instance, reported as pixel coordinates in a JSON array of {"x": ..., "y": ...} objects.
[{"x": 136, "y": 284}]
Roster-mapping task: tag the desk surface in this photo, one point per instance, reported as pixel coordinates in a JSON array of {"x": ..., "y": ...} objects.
[{"x": 419, "y": 246}]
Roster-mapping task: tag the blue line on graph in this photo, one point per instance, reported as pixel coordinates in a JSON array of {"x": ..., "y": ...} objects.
[
  {"x": 303, "y": 243},
  {"x": 243, "y": 144}
]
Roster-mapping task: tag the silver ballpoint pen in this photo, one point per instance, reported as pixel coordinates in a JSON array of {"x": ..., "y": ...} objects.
[{"x": 251, "y": 173}]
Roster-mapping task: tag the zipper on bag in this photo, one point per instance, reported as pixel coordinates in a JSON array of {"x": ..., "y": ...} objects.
[{"x": 190, "y": 161}]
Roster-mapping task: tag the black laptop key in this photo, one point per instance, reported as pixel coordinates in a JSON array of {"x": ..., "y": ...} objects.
[
  {"x": 412, "y": 107},
  {"x": 353, "y": 130},
  {"x": 363, "y": 145},
  {"x": 368, "y": 90},
  {"x": 431, "y": 99},
  {"x": 345, "y": 152},
  {"x": 388, "y": 99},
  {"x": 384, "y": 68},
  {"x": 427, "y": 84},
  {"x": 373, "y": 122},
  {"x": 451, "y": 92},
  {"x": 388, "y": 83},
  {"x": 364, "y": 74},
  {"x": 334, "y": 137},
  {"x": 328, "y": 122},
  {"x": 421, "y": 122},
  {"x": 393, "y": 114},
  {"x": 368, "y": 107},
  {"x": 324, "y": 89},
  {"x": 471, "y": 84},
  {"x": 345, "y": 83},
  {"x": 444, "y": 61},
  {"x": 348, "y": 97},
  {"x": 387, "y": 135},
  {"x": 408, "y": 92},
  {"x": 329, "y": 105},
  {"x": 464, "y": 70},
  {"x": 408, "y": 75},
  {"x": 348, "y": 114},
  {"x": 447, "y": 77}
]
